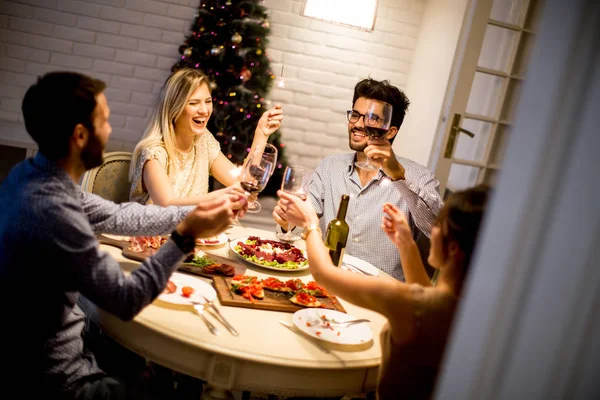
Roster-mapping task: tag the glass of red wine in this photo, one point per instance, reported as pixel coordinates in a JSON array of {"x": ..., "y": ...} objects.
[
  {"x": 295, "y": 181},
  {"x": 267, "y": 158},
  {"x": 377, "y": 122},
  {"x": 256, "y": 172}
]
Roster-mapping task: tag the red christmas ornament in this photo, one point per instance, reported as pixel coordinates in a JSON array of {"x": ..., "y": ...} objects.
[{"x": 245, "y": 74}]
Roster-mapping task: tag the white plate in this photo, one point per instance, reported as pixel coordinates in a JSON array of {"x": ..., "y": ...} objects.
[
  {"x": 362, "y": 264},
  {"x": 234, "y": 243},
  {"x": 352, "y": 335},
  {"x": 117, "y": 237},
  {"x": 201, "y": 289},
  {"x": 222, "y": 239}
]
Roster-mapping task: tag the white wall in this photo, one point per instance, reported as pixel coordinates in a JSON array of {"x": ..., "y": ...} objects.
[
  {"x": 428, "y": 79},
  {"x": 132, "y": 44}
]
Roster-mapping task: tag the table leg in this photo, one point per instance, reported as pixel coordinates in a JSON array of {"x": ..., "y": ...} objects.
[{"x": 213, "y": 393}]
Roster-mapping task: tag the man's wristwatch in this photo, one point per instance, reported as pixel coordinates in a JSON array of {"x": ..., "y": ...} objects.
[
  {"x": 185, "y": 243},
  {"x": 309, "y": 229}
]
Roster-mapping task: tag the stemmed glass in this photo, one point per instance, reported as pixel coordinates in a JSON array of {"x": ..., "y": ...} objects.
[
  {"x": 295, "y": 181},
  {"x": 266, "y": 157},
  {"x": 256, "y": 172},
  {"x": 377, "y": 121}
]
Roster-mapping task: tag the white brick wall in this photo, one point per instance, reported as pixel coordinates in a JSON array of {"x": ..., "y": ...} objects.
[{"x": 132, "y": 44}]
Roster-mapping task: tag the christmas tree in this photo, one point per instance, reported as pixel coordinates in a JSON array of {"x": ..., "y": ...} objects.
[{"x": 228, "y": 42}]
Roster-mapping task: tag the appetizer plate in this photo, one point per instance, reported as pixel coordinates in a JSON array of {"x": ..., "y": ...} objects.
[
  {"x": 361, "y": 264},
  {"x": 234, "y": 243},
  {"x": 308, "y": 321},
  {"x": 201, "y": 288},
  {"x": 213, "y": 241}
]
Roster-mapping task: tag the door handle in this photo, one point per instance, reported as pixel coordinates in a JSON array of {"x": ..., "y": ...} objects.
[{"x": 455, "y": 130}]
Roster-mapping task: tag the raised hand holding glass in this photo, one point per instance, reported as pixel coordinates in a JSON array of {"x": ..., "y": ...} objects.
[{"x": 295, "y": 181}]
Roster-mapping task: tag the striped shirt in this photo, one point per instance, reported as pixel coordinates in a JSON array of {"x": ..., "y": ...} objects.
[
  {"x": 417, "y": 196},
  {"x": 49, "y": 255}
]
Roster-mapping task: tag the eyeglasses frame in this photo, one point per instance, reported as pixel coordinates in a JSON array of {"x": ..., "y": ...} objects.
[{"x": 372, "y": 121}]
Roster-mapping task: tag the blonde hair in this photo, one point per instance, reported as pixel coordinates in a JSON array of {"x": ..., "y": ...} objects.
[{"x": 171, "y": 101}]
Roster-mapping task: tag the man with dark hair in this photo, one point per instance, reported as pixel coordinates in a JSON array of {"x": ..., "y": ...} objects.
[
  {"x": 49, "y": 254},
  {"x": 400, "y": 181}
]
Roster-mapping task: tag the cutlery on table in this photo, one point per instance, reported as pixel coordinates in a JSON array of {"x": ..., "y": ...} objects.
[
  {"x": 341, "y": 324},
  {"x": 350, "y": 268},
  {"x": 199, "y": 307},
  {"x": 229, "y": 327},
  {"x": 310, "y": 339},
  {"x": 354, "y": 268}
]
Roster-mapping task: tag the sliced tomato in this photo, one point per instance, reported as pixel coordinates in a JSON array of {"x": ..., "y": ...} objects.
[
  {"x": 273, "y": 283},
  {"x": 187, "y": 291},
  {"x": 294, "y": 284},
  {"x": 305, "y": 298},
  {"x": 171, "y": 287}
]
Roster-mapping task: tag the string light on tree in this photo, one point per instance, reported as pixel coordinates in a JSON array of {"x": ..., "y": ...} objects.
[{"x": 228, "y": 41}]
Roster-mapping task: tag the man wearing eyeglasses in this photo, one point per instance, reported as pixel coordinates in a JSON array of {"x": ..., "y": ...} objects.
[{"x": 400, "y": 181}]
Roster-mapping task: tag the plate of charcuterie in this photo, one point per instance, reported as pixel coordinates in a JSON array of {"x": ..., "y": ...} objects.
[
  {"x": 213, "y": 241},
  {"x": 270, "y": 254},
  {"x": 186, "y": 289}
]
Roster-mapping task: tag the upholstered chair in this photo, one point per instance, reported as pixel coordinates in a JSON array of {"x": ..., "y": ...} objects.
[{"x": 110, "y": 180}]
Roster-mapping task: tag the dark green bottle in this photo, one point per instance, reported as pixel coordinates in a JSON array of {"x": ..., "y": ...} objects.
[{"x": 337, "y": 233}]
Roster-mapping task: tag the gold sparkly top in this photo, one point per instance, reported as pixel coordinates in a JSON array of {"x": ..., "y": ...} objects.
[{"x": 194, "y": 169}]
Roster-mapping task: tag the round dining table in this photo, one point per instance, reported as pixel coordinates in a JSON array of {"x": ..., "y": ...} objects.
[{"x": 266, "y": 357}]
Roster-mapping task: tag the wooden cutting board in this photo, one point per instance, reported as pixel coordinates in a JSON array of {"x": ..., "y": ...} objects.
[
  {"x": 123, "y": 244},
  {"x": 275, "y": 301},
  {"x": 190, "y": 269}
]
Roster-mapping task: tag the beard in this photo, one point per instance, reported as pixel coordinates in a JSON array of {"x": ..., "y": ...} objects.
[
  {"x": 92, "y": 154},
  {"x": 356, "y": 146}
]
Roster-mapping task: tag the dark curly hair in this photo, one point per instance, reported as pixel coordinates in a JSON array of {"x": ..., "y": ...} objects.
[{"x": 383, "y": 91}]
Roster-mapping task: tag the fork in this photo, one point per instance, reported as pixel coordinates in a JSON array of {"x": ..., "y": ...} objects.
[
  {"x": 341, "y": 324},
  {"x": 229, "y": 327},
  {"x": 199, "y": 307}
]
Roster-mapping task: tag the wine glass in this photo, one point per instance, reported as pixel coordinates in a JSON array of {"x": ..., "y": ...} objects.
[
  {"x": 377, "y": 121},
  {"x": 268, "y": 159},
  {"x": 256, "y": 172},
  {"x": 295, "y": 181}
]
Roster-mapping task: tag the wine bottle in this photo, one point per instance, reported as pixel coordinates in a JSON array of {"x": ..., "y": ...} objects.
[{"x": 337, "y": 233}]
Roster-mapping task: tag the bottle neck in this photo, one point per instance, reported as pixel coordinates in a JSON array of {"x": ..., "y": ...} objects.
[{"x": 343, "y": 208}]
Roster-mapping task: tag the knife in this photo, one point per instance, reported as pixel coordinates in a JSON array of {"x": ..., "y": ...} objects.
[
  {"x": 357, "y": 269},
  {"x": 229, "y": 327},
  {"x": 311, "y": 340}
]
